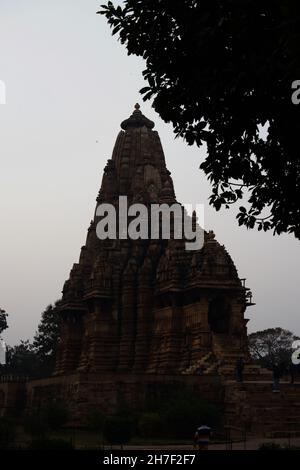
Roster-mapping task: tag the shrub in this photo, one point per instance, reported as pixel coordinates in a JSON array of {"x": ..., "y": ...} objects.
[
  {"x": 118, "y": 430},
  {"x": 96, "y": 420},
  {"x": 7, "y": 433},
  {"x": 35, "y": 425},
  {"x": 55, "y": 415},
  {"x": 150, "y": 425},
  {"x": 186, "y": 411}
]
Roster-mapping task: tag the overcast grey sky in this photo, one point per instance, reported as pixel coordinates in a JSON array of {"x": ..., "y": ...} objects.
[{"x": 70, "y": 84}]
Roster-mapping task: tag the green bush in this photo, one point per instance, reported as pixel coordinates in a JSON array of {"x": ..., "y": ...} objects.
[
  {"x": 96, "y": 420},
  {"x": 51, "y": 444},
  {"x": 35, "y": 425},
  {"x": 118, "y": 430},
  {"x": 7, "y": 433},
  {"x": 150, "y": 425},
  {"x": 55, "y": 415},
  {"x": 185, "y": 412}
]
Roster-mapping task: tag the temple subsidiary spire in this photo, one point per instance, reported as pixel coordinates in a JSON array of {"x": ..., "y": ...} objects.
[{"x": 136, "y": 120}]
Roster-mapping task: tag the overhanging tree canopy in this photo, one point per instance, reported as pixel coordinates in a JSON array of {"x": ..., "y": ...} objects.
[{"x": 218, "y": 70}]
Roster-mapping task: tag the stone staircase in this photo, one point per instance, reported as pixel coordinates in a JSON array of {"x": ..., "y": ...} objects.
[
  {"x": 252, "y": 371},
  {"x": 254, "y": 405},
  {"x": 210, "y": 364},
  {"x": 206, "y": 365}
]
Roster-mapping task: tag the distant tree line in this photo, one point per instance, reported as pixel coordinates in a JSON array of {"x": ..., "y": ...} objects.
[
  {"x": 33, "y": 358},
  {"x": 37, "y": 358},
  {"x": 272, "y": 346}
]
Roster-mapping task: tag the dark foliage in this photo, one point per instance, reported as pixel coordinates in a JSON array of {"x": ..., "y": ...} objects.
[
  {"x": 7, "y": 433},
  {"x": 55, "y": 416},
  {"x": 36, "y": 359},
  {"x": 50, "y": 418},
  {"x": 46, "y": 339},
  {"x": 3, "y": 320},
  {"x": 21, "y": 360},
  {"x": 272, "y": 346},
  {"x": 118, "y": 430},
  {"x": 96, "y": 420},
  {"x": 187, "y": 410},
  {"x": 35, "y": 425},
  {"x": 218, "y": 71}
]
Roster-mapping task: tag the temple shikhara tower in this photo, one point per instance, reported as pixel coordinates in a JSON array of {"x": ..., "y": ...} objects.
[
  {"x": 149, "y": 306},
  {"x": 141, "y": 317}
]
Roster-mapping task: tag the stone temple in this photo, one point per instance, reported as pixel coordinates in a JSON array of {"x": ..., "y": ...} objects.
[
  {"x": 148, "y": 305},
  {"x": 142, "y": 317}
]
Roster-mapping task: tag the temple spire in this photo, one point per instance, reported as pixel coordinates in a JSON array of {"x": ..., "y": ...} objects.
[{"x": 136, "y": 120}]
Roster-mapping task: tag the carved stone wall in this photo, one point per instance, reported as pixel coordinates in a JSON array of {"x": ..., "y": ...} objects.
[{"x": 147, "y": 305}]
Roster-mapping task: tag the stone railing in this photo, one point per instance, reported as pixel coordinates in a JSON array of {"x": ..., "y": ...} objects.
[{"x": 10, "y": 378}]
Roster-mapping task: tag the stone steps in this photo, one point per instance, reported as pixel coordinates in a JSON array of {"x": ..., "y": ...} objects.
[
  {"x": 204, "y": 362},
  {"x": 267, "y": 412}
]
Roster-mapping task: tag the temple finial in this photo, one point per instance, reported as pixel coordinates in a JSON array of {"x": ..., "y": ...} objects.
[{"x": 136, "y": 120}]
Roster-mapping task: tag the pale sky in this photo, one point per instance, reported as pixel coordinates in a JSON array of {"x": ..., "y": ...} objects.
[{"x": 69, "y": 84}]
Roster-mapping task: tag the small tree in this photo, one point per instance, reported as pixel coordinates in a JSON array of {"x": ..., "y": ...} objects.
[
  {"x": 35, "y": 359},
  {"x": 271, "y": 346},
  {"x": 22, "y": 360},
  {"x": 55, "y": 416},
  {"x": 46, "y": 339},
  {"x": 96, "y": 420},
  {"x": 118, "y": 430}
]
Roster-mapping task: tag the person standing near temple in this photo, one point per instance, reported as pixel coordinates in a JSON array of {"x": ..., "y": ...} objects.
[
  {"x": 277, "y": 373},
  {"x": 292, "y": 372},
  {"x": 202, "y": 437},
  {"x": 239, "y": 369}
]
